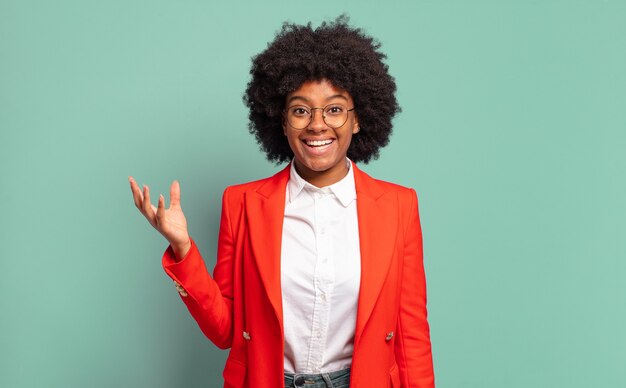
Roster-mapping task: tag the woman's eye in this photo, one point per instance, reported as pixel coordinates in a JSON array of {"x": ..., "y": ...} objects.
[
  {"x": 335, "y": 109},
  {"x": 299, "y": 111}
]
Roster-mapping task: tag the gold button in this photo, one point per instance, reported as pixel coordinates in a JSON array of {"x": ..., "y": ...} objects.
[
  {"x": 180, "y": 289},
  {"x": 389, "y": 336}
]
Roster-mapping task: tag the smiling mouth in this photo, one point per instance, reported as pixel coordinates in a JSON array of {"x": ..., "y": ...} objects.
[{"x": 318, "y": 143}]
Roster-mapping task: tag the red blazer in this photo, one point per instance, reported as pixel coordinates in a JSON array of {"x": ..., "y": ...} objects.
[{"x": 240, "y": 307}]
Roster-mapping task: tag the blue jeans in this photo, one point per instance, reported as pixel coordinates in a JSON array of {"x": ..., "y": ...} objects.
[{"x": 338, "y": 379}]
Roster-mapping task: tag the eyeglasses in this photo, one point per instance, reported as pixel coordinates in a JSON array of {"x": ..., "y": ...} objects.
[{"x": 300, "y": 116}]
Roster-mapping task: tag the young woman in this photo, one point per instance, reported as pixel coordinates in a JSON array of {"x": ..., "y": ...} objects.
[{"x": 319, "y": 280}]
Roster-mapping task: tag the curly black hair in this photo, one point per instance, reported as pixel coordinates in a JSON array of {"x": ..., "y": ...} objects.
[{"x": 343, "y": 55}]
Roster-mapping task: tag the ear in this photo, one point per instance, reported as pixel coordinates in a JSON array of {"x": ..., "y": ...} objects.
[
  {"x": 282, "y": 123},
  {"x": 355, "y": 127}
]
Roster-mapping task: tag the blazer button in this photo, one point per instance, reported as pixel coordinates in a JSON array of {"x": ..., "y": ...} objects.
[
  {"x": 180, "y": 289},
  {"x": 389, "y": 336},
  {"x": 246, "y": 336}
]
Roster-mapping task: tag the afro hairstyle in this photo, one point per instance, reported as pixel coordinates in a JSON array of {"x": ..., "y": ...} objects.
[{"x": 334, "y": 51}]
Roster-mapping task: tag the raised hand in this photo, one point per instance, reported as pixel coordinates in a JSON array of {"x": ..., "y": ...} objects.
[{"x": 170, "y": 222}]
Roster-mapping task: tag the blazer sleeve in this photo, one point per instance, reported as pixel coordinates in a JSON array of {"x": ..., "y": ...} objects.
[
  {"x": 412, "y": 347},
  {"x": 209, "y": 299}
]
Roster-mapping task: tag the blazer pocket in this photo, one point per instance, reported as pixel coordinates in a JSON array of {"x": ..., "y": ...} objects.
[
  {"x": 234, "y": 374},
  {"x": 394, "y": 376}
]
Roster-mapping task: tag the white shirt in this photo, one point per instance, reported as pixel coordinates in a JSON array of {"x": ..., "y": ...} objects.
[{"x": 320, "y": 274}]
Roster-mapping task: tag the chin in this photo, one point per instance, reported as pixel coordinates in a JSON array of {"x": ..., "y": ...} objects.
[{"x": 318, "y": 165}]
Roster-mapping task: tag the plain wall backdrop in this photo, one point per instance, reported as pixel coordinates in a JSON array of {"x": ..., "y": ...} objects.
[{"x": 513, "y": 133}]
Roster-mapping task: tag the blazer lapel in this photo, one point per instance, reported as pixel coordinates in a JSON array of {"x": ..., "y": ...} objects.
[
  {"x": 265, "y": 211},
  {"x": 378, "y": 220}
]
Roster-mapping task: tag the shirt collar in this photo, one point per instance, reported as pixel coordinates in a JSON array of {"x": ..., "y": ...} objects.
[{"x": 344, "y": 189}]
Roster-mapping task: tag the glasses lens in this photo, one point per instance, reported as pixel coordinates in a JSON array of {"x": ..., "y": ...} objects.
[
  {"x": 335, "y": 115},
  {"x": 298, "y": 116}
]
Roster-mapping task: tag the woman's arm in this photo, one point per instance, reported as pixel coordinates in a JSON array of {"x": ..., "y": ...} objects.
[
  {"x": 209, "y": 300},
  {"x": 412, "y": 347}
]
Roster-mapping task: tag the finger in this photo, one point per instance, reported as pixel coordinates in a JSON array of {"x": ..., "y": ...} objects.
[
  {"x": 175, "y": 194},
  {"x": 137, "y": 196},
  {"x": 160, "y": 212},
  {"x": 147, "y": 208}
]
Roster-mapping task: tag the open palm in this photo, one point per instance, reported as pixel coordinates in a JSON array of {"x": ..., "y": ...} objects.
[{"x": 170, "y": 222}]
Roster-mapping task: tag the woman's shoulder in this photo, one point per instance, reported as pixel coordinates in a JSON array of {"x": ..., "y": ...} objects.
[
  {"x": 406, "y": 195},
  {"x": 381, "y": 186},
  {"x": 266, "y": 185}
]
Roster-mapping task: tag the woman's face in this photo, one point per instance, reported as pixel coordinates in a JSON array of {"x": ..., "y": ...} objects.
[{"x": 320, "y": 150}]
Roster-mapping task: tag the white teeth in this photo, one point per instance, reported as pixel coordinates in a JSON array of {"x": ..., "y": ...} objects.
[{"x": 317, "y": 143}]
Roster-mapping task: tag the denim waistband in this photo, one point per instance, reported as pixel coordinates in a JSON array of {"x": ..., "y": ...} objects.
[{"x": 338, "y": 379}]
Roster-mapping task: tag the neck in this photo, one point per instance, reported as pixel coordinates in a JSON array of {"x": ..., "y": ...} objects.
[{"x": 323, "y": 178}]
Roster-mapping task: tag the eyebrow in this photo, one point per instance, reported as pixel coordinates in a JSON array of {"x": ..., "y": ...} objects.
[{"x": 307, "y": 100}]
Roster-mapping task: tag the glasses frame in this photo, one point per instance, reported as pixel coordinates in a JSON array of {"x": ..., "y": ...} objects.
[{"x": 313, "y": 114}]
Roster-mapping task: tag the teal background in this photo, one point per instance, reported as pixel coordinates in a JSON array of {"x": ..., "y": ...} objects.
[{"x": 513, "y": 133}]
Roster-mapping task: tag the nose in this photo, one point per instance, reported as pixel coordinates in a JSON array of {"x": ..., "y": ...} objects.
[{"x": 317, "y": 120}]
